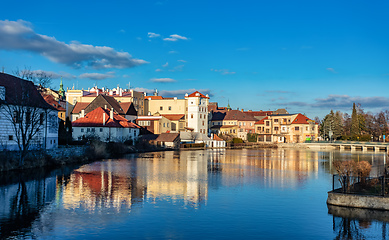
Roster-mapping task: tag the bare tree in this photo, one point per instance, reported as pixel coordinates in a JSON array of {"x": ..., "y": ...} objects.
[
  {"x": 26, "y": 113},
  {"x": 40, "y": 78}
]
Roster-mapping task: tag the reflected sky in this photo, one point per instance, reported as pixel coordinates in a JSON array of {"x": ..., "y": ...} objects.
[{"x": 212, "y": 194}]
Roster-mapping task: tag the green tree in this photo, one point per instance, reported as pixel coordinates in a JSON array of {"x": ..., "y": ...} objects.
[{"x": 355, "y": 128}]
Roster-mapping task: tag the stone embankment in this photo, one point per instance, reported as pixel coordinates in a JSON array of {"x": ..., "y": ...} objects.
[{"x": 358, "y": 201}]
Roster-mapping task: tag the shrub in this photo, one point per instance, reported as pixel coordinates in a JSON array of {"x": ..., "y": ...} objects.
[{"x": 237, "y": 140}]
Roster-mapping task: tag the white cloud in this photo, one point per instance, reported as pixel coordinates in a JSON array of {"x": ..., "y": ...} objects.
[
  {"x": 170, "y": 39},
  {"x": 181, "y": 61},
  {"x": 172, "y": 52},
  {"x": 19, "y": 35},
  {"x": 331, "y": 70},
  {"x": 96, "y": 76},
  {"x": 153, "y": 35},
  {"x": 336, "y": 102},
  {"x": 175, "y": 37},
  {"x": 223, "y": 71},
  {"x": 178, "y": 37},
  {"x": 158, "y": 70},
  {"x": 162, "y": 80},
  {"x": 165, "y": 65}
]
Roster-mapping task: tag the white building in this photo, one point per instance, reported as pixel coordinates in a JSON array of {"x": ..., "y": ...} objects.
[
  {"x": 105, "y": 125},
  {"x": 23, "y": 111},
  {"x": 197, "y": 118}
]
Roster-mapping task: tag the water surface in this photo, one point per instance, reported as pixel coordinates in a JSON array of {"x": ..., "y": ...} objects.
[{"x": 206, "y": 194}]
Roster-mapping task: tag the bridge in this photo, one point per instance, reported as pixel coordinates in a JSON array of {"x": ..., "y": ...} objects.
[{"x": 362, "y": 146}]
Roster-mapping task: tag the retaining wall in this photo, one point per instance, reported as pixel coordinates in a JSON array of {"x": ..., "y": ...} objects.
[{"x": 358, "y": 201}]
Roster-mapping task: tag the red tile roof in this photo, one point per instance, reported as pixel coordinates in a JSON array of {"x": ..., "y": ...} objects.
[
  {"x": 197, "y": 94},
  {"x": 301, "y": 119},
  {"x": 259, "y": 113},
  {"x": 262, "y": 121},
  {"x": 96, "y": 118},
  {"x": 238, "y": 115},
  {"x": 154, "y": 97},
  {"x": 174, "y": 117},
  {"x": 50, "y": 100},
  {"x": 80, "y": 106},
  {"x": 217, "y": 138}
]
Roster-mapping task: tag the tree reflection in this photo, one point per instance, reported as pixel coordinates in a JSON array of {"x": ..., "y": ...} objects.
[{"x": 23, "y": 197}]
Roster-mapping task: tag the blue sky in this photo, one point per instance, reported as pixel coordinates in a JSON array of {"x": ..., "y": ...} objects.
[{"x": 306, "y": 56}]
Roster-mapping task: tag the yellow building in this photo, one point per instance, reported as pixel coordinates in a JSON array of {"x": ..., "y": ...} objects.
[{"x": 286, "y": 128}]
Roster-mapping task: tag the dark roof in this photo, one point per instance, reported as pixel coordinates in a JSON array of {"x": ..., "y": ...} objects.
[
  {"x": 102, "y": 100},
  {"x": 22, "y": 92},
  {"x": 218, "y": 116},
  {"x": 167, "y": 137},
  {"x": 128, "y": 108}
]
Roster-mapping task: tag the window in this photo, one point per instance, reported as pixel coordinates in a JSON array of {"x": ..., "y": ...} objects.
[
  {"x": 101, "y": 129},
  {"x": 267, "y": 123},
  {"x": 275, "y": 128},
  {"x": 167, "y": 124},
  {"x": 164, "y": 125},
  {"x": 54, "y": 140},
  {"x": 191, "y": 116},
  {"x": 251, "y": 124},
  {"x": 203, "y": 123},
  {"x": 313, "y": 128},
  {"x": 267, "y": 131},
  {"x": 259, "y": 128},
  {"x": 275, "y": 120},
  {"x": 82, "y": 130},
  {"x": 161, "y": 108},
  {"x": 10, "y": 137},
  {"x": 240, "y": 124},
  {"x": 244, "y": 124},
  {"x": 306, "y": 129},
  {"x": 170, "y": 108},
  {"x": 200, "y": 115},
  {"x": 297, "y": 128},
  {"x": 93, "y": 129},
  {"x": 88, "y": 130}
]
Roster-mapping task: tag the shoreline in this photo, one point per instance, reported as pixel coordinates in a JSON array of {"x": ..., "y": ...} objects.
[{"x": 81, "y": 154}]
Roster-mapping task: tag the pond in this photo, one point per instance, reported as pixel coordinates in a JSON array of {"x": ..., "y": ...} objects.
[{"x": 203, "y": 194}]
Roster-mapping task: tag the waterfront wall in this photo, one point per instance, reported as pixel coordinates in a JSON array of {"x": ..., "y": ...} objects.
[
  {"x": 9, "y": 160},
  {"x": 358, "y": 201}
]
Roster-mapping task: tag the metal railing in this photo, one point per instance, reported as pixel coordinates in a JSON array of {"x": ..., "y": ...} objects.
[{"x": 375, "y": 186}]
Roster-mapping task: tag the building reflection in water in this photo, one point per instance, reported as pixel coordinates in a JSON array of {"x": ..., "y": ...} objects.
[{"x": 281, "y": 168}]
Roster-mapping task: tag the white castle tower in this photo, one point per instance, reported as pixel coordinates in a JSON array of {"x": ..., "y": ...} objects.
[{"x": 197, "y": 104}]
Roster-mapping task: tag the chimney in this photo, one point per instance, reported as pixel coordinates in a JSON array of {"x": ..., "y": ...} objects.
[
  {"x": 111, "y": 114},
  {"x": 105, "y": 106},
  {"x": 104, "y": 118},
  {"x": 97, "y": 92},
  {"x": 120, "y": 92},
  {"x": 82, "y": 113},
  {"x": 242, "y": 110},
  {"x": 110, "y": 92}
]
